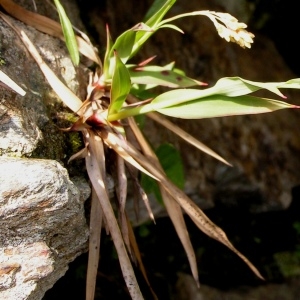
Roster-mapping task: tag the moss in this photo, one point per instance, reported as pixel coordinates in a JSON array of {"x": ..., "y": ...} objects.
[
  {"x": 2, "y": 61},
  {"x": 74, "y": 142},
  {"x": 10, "y": 153},
  {"x": 53, "y": 144},
  {"x": 288, "y": 262}
]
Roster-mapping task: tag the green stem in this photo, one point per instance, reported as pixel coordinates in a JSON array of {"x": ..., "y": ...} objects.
[
  {"x": 194, "y": 13},
  {"x": 130, "y": 112}
]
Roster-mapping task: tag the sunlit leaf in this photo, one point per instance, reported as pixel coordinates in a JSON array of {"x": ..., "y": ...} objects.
[
  {"x": 221, "y": 106},
  {"x": 107, "y": 57},
  {"x": 153, "y": 17},
  {"x": 157, "y": 11},
  {"x": 237, "y": 86},
  {"x": 290, "y": 84},
  {"x": 124, "y": 44},
  {"x": 172, "y": 26},
  {"x": 120, "y": 86},
  {"x": 229, "y": 86},
  {"x": 12, "y": 84},
  {"x": 68, "y": 33},
  {"x": 156, "y": 75}
]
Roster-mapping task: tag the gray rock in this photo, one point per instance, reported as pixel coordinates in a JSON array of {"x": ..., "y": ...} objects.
[
  {"x": 42, "y": 218},
  {"x": 42, "y": 225},
  {"x": 26, "y": 126},
  {"x": 186, "y": 289}
]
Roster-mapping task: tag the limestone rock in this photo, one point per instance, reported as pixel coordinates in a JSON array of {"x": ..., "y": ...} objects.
[
  {"x": 26, "y": 126},
  {"x": 42, "y": 226},
  {"x": 42, "y": 218}
]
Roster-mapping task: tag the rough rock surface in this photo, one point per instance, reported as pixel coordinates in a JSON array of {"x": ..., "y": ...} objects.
[
  {"x": 42, "y": 226},
  {"x": 186, "y": 289},
  {"x": 42, "y": 220}
]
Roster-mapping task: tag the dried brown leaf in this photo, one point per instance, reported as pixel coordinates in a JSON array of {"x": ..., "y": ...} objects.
[
  {"x": 80, "y": 154},
  {"x": 94, "y": 246},
  {"x": 172, "y": 207},
  {"x": 122, "y": 183},
  {"x": 98, "y": 182},
  {"x": 137, "y": 254},
  {"x": 120, "y": 147},
  {"x": 11, "y": 84},
  {"x": 196, "y": 214}
]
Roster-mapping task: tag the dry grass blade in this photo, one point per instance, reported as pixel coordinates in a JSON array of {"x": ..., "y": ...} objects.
[
  {"x": 137, "y": 254},
  {"x": 186, "y": 136},
  {"x": 98, "y": 182},
  {"x": 64, "y": 93},
  {"x": 172, "y": 207},
  {"x": 122, "y": 195},
  {"x": 115, "y": 143},
  {"x": 94, "y": 246},
  {"x": 96, "y": 217},
  {"x": 204, "y": 223},
  {"x": 140, "y": 191},
  {"x": 122, "y": 183},
  {"x": 196, "y": 214},
  {"x": 80, "y": 154},
  {"x": 176, "y": 216},
  {"x": 11, "y": 84},
  {"x": 46, "y": 25}
]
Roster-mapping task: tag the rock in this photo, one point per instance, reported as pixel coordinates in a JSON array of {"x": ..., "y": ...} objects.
[
  {"x": 42, "y": 217},
  {"x": 42, "y": 225},
  {"x": 26, "y": 126},
  {"x": 186, "y": 289}
]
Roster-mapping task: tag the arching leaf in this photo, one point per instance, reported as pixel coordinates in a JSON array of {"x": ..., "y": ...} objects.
[
  {"x": 120, "y": 86},
  {"x": 68, "y": 33},
  {"x": 221, "y": 106}
]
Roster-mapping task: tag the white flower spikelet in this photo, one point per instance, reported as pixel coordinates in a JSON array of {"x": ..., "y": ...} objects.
[{"x": 231, "y": 30}]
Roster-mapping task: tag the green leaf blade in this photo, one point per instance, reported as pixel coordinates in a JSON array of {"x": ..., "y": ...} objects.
[
  {"x": 227, "y": 86},
  {"x": 124, "y": 44},
  {"x": 120, "y": 86},
  {"x": 237, "y": 86},
  {"x": 68, "y": 33},
  {"x": 153, "y": 17},
  {"x": 222, "y": 106},
  {"x": 157, "y": 11},
  {"x": 107, "y": 56},
  {"x": 155, "y": 75}
]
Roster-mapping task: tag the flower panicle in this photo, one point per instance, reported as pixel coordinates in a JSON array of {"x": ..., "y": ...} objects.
[{"x": 230, "y": 29}]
